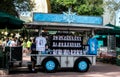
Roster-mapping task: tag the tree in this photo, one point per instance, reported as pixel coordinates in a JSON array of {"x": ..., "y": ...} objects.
[
  {"x": 56, "y": 7},
  {"x": 14, "y": 7},
  {"x": 82, "y": 7},
  {"x": 112, "y": 6}
]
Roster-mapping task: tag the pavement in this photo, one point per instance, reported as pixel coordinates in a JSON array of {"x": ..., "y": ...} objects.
[{"x": 99, "y": 70}]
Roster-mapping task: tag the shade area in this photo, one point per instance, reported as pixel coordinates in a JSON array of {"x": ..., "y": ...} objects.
[
  {"x": 114, "y": 31},
  {"x": 10, "y": 21}
]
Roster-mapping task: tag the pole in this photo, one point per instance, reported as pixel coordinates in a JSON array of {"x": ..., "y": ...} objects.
[{"x": 40, "y": 31}]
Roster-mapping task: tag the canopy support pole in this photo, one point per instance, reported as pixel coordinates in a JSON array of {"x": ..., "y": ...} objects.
[{"x": 40, "y": 31}]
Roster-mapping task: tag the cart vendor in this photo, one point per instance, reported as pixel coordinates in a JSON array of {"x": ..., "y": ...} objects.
[{"x": 33, "y": 56}]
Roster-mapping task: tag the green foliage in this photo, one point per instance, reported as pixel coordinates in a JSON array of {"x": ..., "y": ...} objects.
[
  {"x": 57, "y": 7},
  {"x": 67, "y": 3},
  {"x": 15, "y": 6},
  {"x": 82, "y": 7}
]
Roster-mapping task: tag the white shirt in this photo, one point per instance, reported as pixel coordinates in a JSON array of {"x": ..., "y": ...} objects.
[
  {"x": 13, "y": 43},
  {"x": 40, "y": 43}
]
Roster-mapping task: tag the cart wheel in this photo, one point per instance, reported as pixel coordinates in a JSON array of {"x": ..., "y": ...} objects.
[
  {"x": 82, "y": 66},
  {"x": 50, "y": 65}
]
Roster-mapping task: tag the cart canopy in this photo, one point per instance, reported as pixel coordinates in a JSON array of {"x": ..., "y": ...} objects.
[{"x": 66, "y": 21}]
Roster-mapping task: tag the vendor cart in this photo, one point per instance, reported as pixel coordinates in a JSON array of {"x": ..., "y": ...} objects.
[{"x": 66, "y": 50}]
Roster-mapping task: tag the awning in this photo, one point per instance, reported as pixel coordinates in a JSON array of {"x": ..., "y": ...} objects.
[
  {"x": 9, "y": 21},
  {"x": 64, "y": 26},
  {"x": 114, "y": 31}
]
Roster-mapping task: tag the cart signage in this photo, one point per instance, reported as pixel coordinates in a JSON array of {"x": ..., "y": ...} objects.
[{"x": 67, "y": 18}]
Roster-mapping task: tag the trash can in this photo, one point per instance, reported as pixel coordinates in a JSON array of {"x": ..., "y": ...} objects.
[
  {"x": 118, "y": 58},
  {"x": 13, "y": 55}
]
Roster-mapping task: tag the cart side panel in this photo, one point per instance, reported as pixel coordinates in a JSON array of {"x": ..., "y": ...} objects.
[
  {"x": 63, "y": 61},
  {"x": 94, "y": 60},
  {"x": 67, "y": 61},
  {"x": 70, "y": 61}
]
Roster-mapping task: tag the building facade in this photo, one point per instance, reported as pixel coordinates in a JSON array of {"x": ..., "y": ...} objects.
[{"x": 42, "y": 6}]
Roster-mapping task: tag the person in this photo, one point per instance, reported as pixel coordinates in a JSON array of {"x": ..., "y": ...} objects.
[
  {"x": 13, "y": 43},
  {"x": 33, "y": 56},
  {"x": 29, "y": 42},
  {"x": 40, "y": 45},
  {"x": 24, "y": 46},
  {"x": 18, "y": 41},
  {"x": 8, "y": 41},
  {"x": 93, "y": 45}
]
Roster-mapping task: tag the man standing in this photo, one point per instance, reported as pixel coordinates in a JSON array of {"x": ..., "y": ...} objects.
[{"x": 33, "y": 52}]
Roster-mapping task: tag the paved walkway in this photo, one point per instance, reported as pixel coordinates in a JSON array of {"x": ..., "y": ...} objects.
[{"x": 99, "y": 70}]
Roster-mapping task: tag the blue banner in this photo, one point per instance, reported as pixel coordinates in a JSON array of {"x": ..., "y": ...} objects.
[{"x": 67, "y": 18}]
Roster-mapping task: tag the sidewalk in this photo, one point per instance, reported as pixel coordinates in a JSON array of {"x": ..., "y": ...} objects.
[
  {"x": 99, "y": 70},
  {"x": 24, "y": 65}
]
